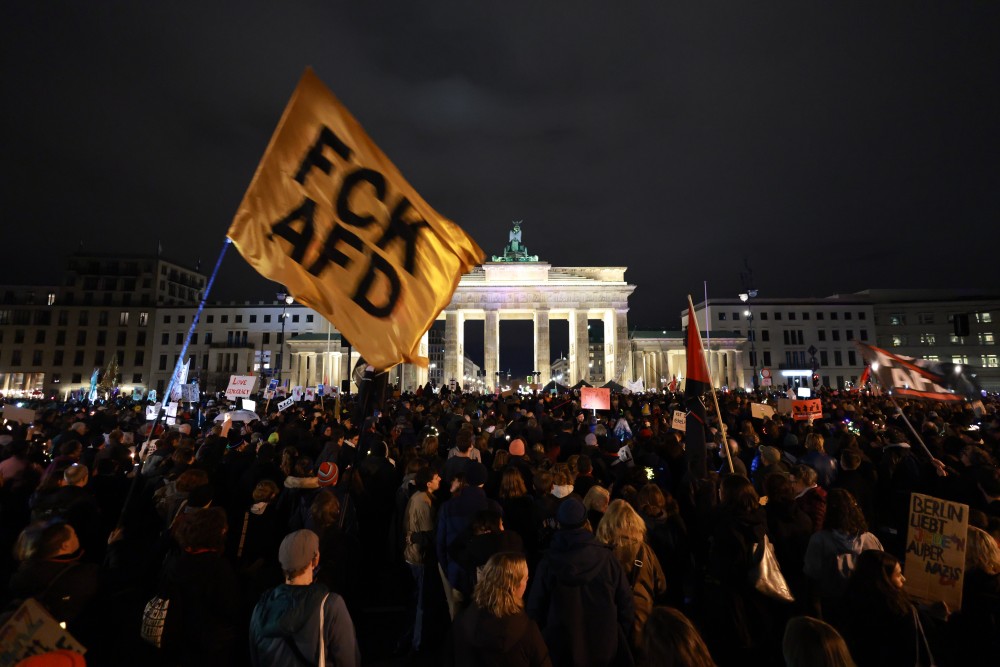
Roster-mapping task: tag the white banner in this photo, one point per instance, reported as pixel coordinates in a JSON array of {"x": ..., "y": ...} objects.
[
  {"x": 296, "y": 393},
  {"x": 761, "y": 411},
  {"x": 152, "y": 411},
  {"x": 249, "y": 404},
  {"x": 679, "y": 421},
  {"x": 287, "y": 403}
]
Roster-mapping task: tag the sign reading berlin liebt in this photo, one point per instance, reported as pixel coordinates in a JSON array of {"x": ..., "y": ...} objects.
[{"x": 329, "y": 216}]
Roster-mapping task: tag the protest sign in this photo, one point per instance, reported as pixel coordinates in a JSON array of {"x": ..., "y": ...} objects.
[
  {"x": 803, "y": 410},
  {"x": 12, "y": 413},
  {"x": 761, "y": 411},
  {"x": 296, "y": 393},
  {"x": 679, "y": 421},
  {"x": 151, "y": 396},
  {"x": 268, "y": 394},
  {"x": 320, "y": 389},
  {"x": 272, "y": 384},
  {"x": 240, "y": 386},
  {"x": 310, "y": 394},
  {"x": 171, "y": 409},
  {"x": 152, "y": 411},
  {"x": 595, "y": 398},
  {"x": 936, "y": 540},
  {"x": 190, "y": 392},
  {"x": 249, "y": 404},
  {"x": 784, "y": 405},
  {"x": 31, "y": 630},
  {"x": 287, "y": 403}
]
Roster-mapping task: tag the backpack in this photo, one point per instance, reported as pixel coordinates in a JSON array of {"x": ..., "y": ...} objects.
[{"x": 161, "y": 622}]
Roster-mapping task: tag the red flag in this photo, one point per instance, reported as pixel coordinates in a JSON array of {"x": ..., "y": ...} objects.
[
  {"x": 697, "y": 369},
  {"x": 695, "y": 385}
]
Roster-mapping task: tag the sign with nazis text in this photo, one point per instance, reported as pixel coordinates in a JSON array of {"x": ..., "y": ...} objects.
[
  {"x": 936, "y": 540},
  {"x": 329, "y": 216}
]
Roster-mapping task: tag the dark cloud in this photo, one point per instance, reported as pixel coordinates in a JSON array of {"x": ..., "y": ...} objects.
[{"x": 836, "y": 146}]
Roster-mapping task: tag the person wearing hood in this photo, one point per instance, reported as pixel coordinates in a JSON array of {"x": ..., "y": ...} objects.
[
  {"x": 832, "y": 552},
  {"x": 300, "y": 620},
  {"x": 494, "y": 631},
  {"x": 581, "y": 597}
]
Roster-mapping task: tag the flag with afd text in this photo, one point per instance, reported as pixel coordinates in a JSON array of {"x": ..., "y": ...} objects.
[
  {"x": 920, "y": 378},
  {"x": 696, "y": 384},
  {"x": 330, "y": 217}
]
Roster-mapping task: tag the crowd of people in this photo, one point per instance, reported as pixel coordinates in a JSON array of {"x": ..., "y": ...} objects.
[{"x": 515, "y": 530}]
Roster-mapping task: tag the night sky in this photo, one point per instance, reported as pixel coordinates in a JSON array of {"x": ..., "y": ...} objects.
[{"x": 835, "y": 146}]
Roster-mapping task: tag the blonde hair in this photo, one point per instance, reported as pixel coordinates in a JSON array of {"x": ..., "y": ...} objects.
[
  {"x": 814, "y": 442},
  {"x": 983, "y": 552},
  {"x": 597, "y": 498},
  {"x": 512, "y": 484},
  {"x": 496, "y": 590},
  {"x": 623, "y": 530}
]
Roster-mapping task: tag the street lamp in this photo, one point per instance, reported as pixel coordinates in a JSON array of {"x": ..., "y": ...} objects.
[
  {"x": 286, "y": 300},
  {"x": 745, "y": 298}
]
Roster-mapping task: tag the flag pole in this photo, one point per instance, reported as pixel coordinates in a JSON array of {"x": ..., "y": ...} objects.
[
  {"x": 173, "y": 378},
  {"x": 715, "y": 398}
]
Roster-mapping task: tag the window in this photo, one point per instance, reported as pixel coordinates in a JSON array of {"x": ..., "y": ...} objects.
[
  {"x": 956, "y": 340},
  {"x": 777, "y": 316},
  {"x": 78, "y": 359},
  {"x": 253, "y": 319},
  {"x": 61, "y": 337},
  {"x": 928, "y": 339},
  {"x": 163, "y": 362},
  {"x": 208, "y": 338},
  {"x": 820, "y": 315},
  {"x": 178, "y": 338},
  {"x": 861, "y": 315},
  {"x": 239, "y": 319},
  {"x": 736, "y": 317},
  {"x": 984, "y": 318},
  {"x": 847, "y": 315},
  {"x": 722, "y": 317},
  {"x": 852, "y": 358},
  {"x": 295, "y": 319},
  {"x": 81, "y": 338},
  {"x": 267, "y": 319},
  {"x": 123, "y": 318},
  {"x": 821, "y": 334},
  {"x": 140, "y": 358},
  {"x": 137, "y": 378},
  {"x": 836, "y": 334},
  {"x": 838, "y": 358},
  {"x": 181, "y": 319},
  {"x": 40, "y": 336},
  {"x": 194, "y": 339},
  {"x": 99, "y": 358},
  {"x": 897, "y": 319},
  {"x": 83, "y": 319},
  {"x": 791, "y": 316},
  {"x": 960, "y": 359},
  {"x": 898, "y": 341},
  {"x": 63, "y": 318},
  {"x": 990, "y": 361},
  {"x": 166, "y": 319},
  {"x": 765, "y": 335},
  {"x": 143, "y": 319},
  {"x": 850, "y": 334},
  {"x": 925, "y": 318},
  {"x": 309, "y": 318},
  {"x": 824, "y": 358},
  {"x": 121, "y": 339},
  {"x": 833, "y": 316},
  {"x": 102, "y": 318},
  {"x": 763, "y": 316},
  {"x": 767, "y": 358},
  {"x": 265, "y": 338},
  {"x": 210, "y": 319},
  {"x": 932, "y": 357},
  {"x": 280, "y": 338},
  {"x": 165, "y": 339},
  {"x": 140, "y": 338},
  {"x": 986, "y": 338},
  {"x": 805, "y": 316},
  {"x": 864, "y": 334}
]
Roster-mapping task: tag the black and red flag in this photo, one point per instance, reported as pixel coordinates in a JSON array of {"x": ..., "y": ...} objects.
[{"x": 696, "y": 384}]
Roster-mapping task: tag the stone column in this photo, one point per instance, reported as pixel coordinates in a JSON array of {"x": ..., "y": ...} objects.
[
  {"x": 454, "y": 346},
  {"x": 740, "y": 370},
  {"x": 610, "y": 346},
  {"x": 578, "y": 356},
  {"x": 311, "y": 366},
  {"x": 543, "y": 357},
  {"x": 422, "y": 373},
  {"x": 733, "y": 380},
  {"x": 491, "y": 346}
]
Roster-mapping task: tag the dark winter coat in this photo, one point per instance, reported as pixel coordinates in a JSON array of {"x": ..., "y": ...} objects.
[
  {"x": 582, "y": 599},
  {"x": 483, "y": 640}
]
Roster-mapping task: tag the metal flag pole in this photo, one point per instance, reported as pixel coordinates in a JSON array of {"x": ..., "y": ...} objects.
[{"x": 173, "y": 379}]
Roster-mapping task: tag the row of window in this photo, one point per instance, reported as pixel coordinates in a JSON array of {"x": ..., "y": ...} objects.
[
  {"x": 238, "y": 319},
  {"x": 986, "y": 360},
  {"x": 232, "y": 338},
  {"x": 77, "y": 378},
  {"x": 899, "y": 319},
  {"x": 228, "y": 362},
  {"x": 44, "y": 317},
  {"x": 985, "y": 338},
  {"x": 59, "y": 358},
  {"x": 793, "y": 315},
  {"x": 81, "y": 337}
]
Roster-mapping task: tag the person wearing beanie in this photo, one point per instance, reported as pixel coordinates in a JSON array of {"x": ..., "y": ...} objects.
[
  {"x": 293, "y": 622},
  {"x": 579, "y": 593}
]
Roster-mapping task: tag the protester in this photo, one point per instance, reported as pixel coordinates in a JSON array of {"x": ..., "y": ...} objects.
[
  {"x": 809, "y": 642},
  {"x": 671, "y": 640}
]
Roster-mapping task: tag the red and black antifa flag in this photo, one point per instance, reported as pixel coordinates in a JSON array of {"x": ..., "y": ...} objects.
[
  {"x": 695, "y": 386},
  {"x": 919, "y": 378}
]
